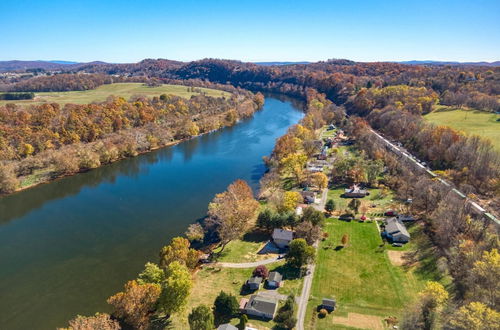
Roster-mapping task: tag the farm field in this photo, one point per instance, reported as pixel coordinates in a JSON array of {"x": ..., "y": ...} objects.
[
  {"x": 125, "y": 90},
  {"x": 368, "y": 283},
  {"x": 471, "y": 121}
]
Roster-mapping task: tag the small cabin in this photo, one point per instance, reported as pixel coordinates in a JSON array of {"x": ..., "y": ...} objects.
[
  {"x": 328, "y": 304},
  {"x": 274, "y": 280},
  {"x": 253, "y": 283}
]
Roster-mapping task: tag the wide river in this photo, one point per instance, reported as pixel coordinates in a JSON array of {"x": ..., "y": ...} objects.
[{"x": 66, "y": 246}]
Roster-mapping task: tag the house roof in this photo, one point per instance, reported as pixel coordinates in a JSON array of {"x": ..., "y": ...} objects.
[
  {"x": 284, "y": 234},
  {"x": 355, "y": 190},
  {"x": 262, "y": 304},
  {"x": 328, "y": 302},
  {"x": 227, "y": 326},
  {"x": 275, "y": 277},
  {"x": 394, "y": 226},
  {"x": 255, "y": 279}
]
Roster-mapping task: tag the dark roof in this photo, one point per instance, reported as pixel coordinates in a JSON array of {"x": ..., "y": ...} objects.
[
  {"x": 227, "y": 326},
  {"x": 255, "y": 279},
  {"x": 393, "y": 226},
  {"x": 275, "y": 277},
  {"x": 282, "y": 234},
  {"x": 328, "y": 302},
  {"x": 262, "y": 304}
]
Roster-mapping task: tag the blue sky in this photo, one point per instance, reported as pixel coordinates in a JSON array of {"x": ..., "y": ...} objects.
[{"x": 272, "y": 30}]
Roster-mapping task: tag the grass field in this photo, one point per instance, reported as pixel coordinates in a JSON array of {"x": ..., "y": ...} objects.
[
  {"x": 244, "y": 250},
  {"x": 472, "y": 121},
  {"x": 361, "y": 277},
  {"x": 125, "y": 90},
  {"x": 210, "y": 281}
]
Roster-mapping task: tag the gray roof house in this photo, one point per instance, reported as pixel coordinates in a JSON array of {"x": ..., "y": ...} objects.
[
  {"x": 396, "y": 231},
  {"x": 328, "y": 304},
  {"x": 274, "y": 280},
  {"x": 254, "y": 283},
  {"x": 227, "y": 326},
  {"x": 261, "y": 306},
  {"x": 282, "y": 237}
]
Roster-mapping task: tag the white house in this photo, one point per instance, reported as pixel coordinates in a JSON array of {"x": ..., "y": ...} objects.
[{"x": 282, "y": 237}]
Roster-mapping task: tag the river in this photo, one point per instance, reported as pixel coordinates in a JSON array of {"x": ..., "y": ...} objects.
[{"x": 66, "y": 246}]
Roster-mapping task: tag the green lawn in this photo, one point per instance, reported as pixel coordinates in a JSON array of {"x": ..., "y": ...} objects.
[
  {"x": 245, "y": 250},
  {"x": 209, "y": 281},
  {"x": 382, "y": 202},
  {"x": 471, "y": 121},
  {"x": 360, "y": 276},
  {"x": 125, "y": 90}
]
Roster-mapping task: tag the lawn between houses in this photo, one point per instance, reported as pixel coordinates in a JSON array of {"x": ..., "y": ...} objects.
[
  {"x": 210, "y": 280},
  {"x": 366, "y": 284}
]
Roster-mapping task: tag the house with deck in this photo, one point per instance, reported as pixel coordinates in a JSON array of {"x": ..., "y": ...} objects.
[{"x": 355, "y": 192}]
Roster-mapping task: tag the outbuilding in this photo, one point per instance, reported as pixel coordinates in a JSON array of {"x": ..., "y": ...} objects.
[
  {"x": 254, "y": 283},
  {"x": 274, "y": 280},
  {"x": 328, "y": 304}
]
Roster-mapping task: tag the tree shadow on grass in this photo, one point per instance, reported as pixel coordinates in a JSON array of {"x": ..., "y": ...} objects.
[
  {"x": 288, "y": 272},
  {"x": 256, "y": 236},
  {"x": 423, "y": 256}
]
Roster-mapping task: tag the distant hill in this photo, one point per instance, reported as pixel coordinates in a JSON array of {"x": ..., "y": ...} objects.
[
  {"x": 496, "y": 63},
  {"x": 46, "y": 65},
  {"x": 279, "y": 63}
]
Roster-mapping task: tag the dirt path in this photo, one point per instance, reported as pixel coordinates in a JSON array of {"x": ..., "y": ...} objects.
[
  {"x": 361, "y": 321},
  {"x": 247, "y": 264}
]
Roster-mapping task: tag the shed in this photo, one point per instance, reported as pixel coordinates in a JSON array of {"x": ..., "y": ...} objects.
[
  {"x": 328, "y": 304},
  {"x": 282, "y": 237},
  {"x": 274, "y": 280},
  {"x": 254, "y": 283}
]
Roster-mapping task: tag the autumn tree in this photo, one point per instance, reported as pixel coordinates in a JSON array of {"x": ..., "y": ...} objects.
[
  {"x": 151, "y": 274},
  {"x": 235, "y": 210},
  {"x": 308, "y": 231},
  {"x": 261, "y": 271},
  {"x": 474, "y": 316},
  {"x": 320, "y": 180},
  {"x": 300, "y": 253},
  {"x": 289, "y": 201},
  {"x": 175, "y": 288},
  {"x": 8, "y": 179},
  {"x": 99, "y": 321},
  {"x": 424, "y": 313},
  {"x": 293, "y": 165},
  {"x": 485, "y": 276},
  {"x": 354, "y": 205},
  {"x": 195, "y": 232},
  {"x": 136, "y": 303},
  {"x": 178, "y": 250},
  {"x": 345, "y": 240},
  {"x": 310, "y": 214},
  {"x": 201, "y": 318}
]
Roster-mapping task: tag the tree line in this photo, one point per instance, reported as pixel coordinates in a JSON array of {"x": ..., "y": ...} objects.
[{"x": 65, "y": 140}]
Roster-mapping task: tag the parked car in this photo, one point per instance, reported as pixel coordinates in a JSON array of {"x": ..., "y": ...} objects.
[
  {"x": 390, "y": 213},
  {"x": 346, "y": 217}
]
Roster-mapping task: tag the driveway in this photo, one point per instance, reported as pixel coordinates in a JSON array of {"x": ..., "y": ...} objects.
[
  {"x": 304, "y": 296},
  {"x": 249, "y": 264}
]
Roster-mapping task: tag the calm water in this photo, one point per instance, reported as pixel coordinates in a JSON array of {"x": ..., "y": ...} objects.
[{"x": 65, "y": 247}]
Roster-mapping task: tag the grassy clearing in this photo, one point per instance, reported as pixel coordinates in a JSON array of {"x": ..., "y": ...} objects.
[
  {"x": 470, "y": 121},
  {"x": 209, "y": 281},
  {"x": 244, "y": 250},
  {"x": 361, "y": 277},
  {"x": 125, "y": 90},
  {"x": 381, "y": 200}
]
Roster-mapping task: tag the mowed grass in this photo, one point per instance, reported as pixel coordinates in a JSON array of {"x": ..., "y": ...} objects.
[
  {"x": 359, "y": 276},
  {"x": 245, "y": 249},
  {"x": 125, "y": 90},
  {"x": 210, "y": 281},
  {"x": 471, "y": 121}
]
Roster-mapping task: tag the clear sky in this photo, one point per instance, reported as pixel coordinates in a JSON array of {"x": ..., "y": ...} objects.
[{"x": 270, "y": 30}]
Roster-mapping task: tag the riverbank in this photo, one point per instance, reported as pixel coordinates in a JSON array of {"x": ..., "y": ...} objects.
[
  {"x": 68, "y": 160},
  {"x": 91, "y": 233}
]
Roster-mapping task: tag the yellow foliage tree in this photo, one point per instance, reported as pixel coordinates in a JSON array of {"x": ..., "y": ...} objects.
[
  {"x": 475, "y": 316},
  {"x": 290, "y": 201}
]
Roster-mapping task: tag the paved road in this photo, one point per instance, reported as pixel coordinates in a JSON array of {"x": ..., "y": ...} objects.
[
  {"x": 248, "y": 264},
  {"x": 306, "y": 292},
  {"x": 321, "y": 205}
]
